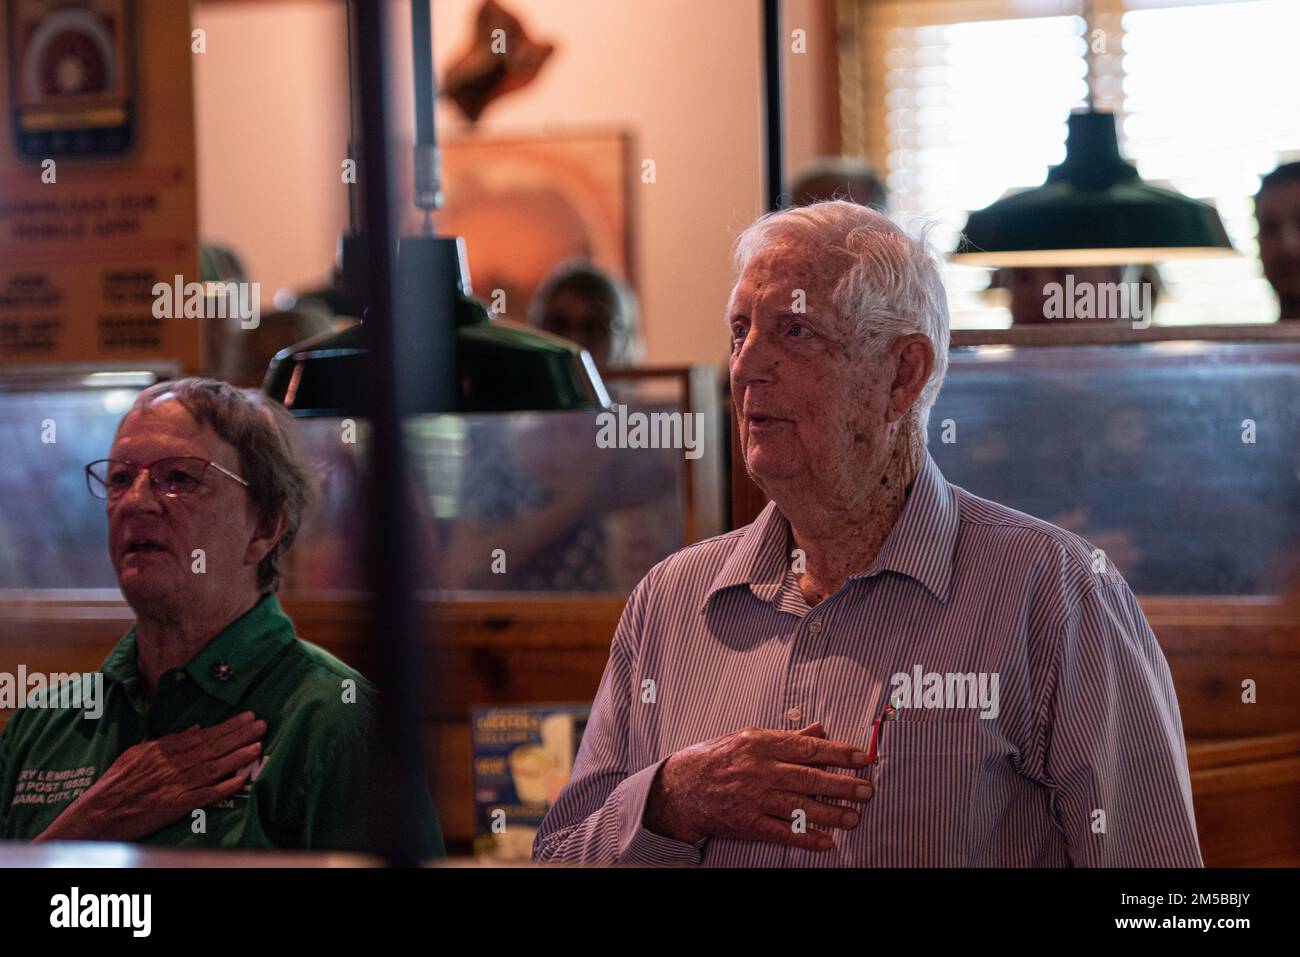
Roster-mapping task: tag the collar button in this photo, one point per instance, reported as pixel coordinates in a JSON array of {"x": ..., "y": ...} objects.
[{"x": 222, "y": 671}]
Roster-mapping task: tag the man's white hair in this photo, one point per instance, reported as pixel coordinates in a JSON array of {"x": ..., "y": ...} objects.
[{"x": 884, "y": 279}]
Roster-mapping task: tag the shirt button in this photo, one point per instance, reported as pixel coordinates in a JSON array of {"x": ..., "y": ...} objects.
[
  {"x": 178, "y": 677},
  {"x": 222, "y": 671},
  {"x": 815, "y": 626},
  {"x": 794, "y": 714}
]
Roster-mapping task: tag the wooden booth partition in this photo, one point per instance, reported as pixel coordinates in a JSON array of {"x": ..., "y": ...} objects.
[{"x": 1236, "y": 669}]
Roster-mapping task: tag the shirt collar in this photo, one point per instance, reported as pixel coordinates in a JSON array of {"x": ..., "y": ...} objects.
[
  {"x": 227, "y": 664},
  {"x": 759, "y": 560},
  {"x": 922, "y": 544}
]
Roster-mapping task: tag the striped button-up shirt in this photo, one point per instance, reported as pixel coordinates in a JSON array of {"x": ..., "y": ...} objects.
[{"x": 1074, "y": 754}]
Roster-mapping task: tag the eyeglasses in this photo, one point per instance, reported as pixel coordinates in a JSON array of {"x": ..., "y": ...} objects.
[{"x": 183, "y": 475}]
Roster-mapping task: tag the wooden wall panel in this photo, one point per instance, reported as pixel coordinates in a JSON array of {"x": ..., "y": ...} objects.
[{"x": 1247, "y": 797}]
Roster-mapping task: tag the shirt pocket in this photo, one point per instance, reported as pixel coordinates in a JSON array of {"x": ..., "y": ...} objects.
[{"x": 925, "y": 789}]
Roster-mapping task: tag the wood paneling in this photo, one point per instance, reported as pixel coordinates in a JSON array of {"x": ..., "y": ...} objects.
[{"x": 1247, "y": 796}]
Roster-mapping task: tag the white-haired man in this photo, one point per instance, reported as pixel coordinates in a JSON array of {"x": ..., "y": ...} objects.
[{"x": 882, "y": 669}]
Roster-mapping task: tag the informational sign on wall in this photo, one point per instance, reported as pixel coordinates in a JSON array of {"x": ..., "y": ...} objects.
[{"x": 97, "y": 182}]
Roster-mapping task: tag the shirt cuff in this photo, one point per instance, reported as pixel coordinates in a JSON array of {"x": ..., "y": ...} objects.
[{"x": 637, "y": 844}]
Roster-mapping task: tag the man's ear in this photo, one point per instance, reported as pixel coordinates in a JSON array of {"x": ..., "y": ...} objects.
[
  {"x": 914, "y": 361},
  {"x": 264, "y": 538}
]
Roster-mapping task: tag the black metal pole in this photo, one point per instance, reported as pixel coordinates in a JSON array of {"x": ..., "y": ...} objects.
[
  {"x": 354, "y": 214},
  {"x": 774, "y": 169},
  {"x": 428, "y": 189},
  {"x": 422, "y": 64},
  {"x": 392, "y": 619}
]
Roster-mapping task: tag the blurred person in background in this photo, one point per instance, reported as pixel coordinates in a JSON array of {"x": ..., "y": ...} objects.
[
  {"x": 839, "y": 177},
  {"x": 566, "y": 528},
  {"x": 241, "y": 355},
  {"x": 1277, "y": 208},
  {"x": 1027, "y": 288},
  {"x": 580, "y": 301}
]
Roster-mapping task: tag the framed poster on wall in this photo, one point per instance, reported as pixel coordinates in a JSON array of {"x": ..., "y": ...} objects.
[
  {"x": 97, "y": 194},
  {"x": 526, "y": 204}
]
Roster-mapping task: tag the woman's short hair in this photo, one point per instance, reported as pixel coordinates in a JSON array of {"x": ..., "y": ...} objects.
[{"x": 271, "y": 460}]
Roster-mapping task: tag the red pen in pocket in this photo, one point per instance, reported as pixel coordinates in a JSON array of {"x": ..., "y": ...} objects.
[{"x": 890, "y": 713}]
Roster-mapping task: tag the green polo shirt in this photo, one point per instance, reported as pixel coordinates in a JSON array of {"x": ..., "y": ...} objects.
[{"x": 311, "y": 787}]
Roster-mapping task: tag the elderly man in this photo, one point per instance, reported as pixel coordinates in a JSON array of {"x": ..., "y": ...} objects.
[
  {"x": 219, "y": 727},
  {"x": 882, "y": 669}
]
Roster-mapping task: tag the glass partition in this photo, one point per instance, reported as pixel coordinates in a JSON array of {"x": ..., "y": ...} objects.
[
  {"x": 526, "y": 502},
  {"x": 53, "y": 534},
  {"x": 1178, "y": 459},
  {"x": 520, "y": 502}
]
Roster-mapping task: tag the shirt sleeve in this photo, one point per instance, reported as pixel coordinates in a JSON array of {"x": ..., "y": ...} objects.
[
  {"x": 1116, "y": 758},
  {"x": 597, "y": 819}
]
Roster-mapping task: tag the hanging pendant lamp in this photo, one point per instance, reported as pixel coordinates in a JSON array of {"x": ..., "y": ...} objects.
[{"x": 1093, "y": 210}]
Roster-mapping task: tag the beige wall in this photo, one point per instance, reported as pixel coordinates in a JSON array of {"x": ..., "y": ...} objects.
[
  {"x": 683, "y": 76},
  {"x": 271, "y": 116}
]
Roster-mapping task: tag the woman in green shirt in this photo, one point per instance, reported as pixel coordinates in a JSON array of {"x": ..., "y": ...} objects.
[{"x": 218, "y": 726}]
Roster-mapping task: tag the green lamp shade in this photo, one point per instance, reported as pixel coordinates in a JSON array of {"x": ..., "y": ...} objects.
[
  {"x": 499, "y": 366},
  {"x": 1093, "y": 210}
]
